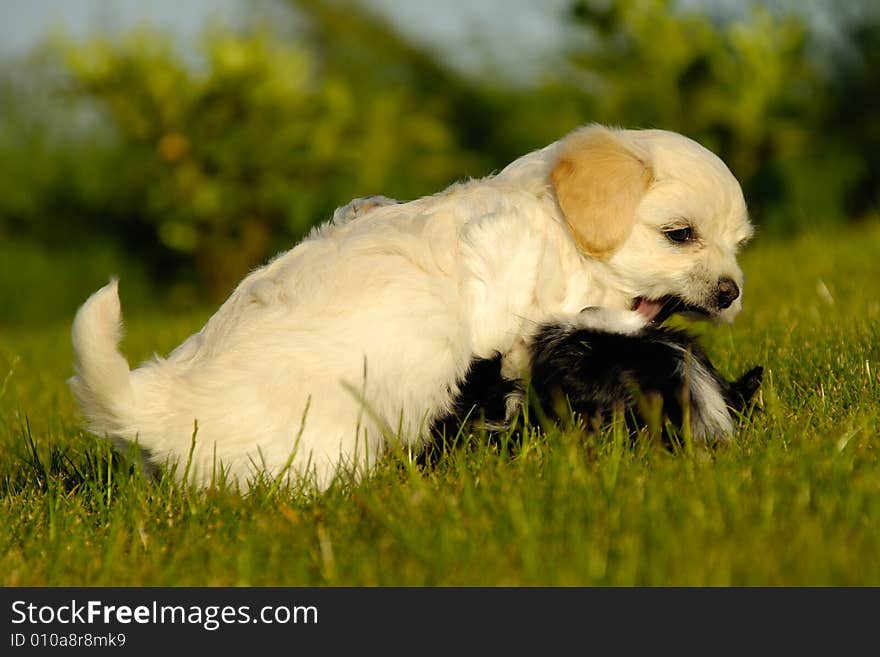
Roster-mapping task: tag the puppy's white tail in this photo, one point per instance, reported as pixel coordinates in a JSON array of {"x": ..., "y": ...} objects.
[{"x": 102, "y": 384}]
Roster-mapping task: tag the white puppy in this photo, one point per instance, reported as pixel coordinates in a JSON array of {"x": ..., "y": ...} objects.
[{"x": 359, "y": 336}]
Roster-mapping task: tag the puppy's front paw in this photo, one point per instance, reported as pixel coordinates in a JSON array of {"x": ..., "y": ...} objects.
[
  {"x": 745, "y": 387},
  {"x": 611, "y": 320}
]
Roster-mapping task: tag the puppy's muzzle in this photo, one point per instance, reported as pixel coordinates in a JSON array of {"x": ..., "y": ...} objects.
[{"x": 727, "y": 293}]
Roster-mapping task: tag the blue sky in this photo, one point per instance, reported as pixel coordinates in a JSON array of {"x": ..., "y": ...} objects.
[
  {"x": 502, "y": 31},
  {"x": 25, "y": 23},
  {"x": 516, "y": 36}
]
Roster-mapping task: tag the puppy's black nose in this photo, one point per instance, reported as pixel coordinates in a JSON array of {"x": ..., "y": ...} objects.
[{"x": 728, "y": 291}]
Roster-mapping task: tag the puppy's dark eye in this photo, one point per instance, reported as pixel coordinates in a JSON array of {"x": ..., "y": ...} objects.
[{"x": 680, "y": 235}]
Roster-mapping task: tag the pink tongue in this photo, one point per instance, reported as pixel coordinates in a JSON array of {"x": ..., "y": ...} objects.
[{"x": 650, "y": 308}]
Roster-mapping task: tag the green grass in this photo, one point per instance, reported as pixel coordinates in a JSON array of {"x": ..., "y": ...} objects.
[{"x": 795, "y": 500}]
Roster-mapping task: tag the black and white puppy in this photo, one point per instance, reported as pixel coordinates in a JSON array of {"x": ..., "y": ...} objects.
[{"x": 596, "y": 367}]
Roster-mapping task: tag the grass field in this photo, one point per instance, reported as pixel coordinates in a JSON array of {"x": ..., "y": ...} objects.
[{"x": 795, "y": 500}]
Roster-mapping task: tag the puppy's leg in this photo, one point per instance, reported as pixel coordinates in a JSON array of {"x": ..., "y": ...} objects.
[
  {"x": 609, "y": 320},
  {"x": 359, "y": 207},
  {"x": 515, "y": 363},
  {"x": 485, "y": 397}
]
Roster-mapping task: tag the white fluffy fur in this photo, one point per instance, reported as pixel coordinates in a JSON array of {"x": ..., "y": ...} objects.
[
  {"x": 356, "y": 338},
  {"x": 711, "y": 417}
]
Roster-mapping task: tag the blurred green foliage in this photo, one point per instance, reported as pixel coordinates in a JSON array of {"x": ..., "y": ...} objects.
[
  {"x": 753, "y": 90},
  {"x": 253, "y": 143},
  {"x": 202, "y": 167}
]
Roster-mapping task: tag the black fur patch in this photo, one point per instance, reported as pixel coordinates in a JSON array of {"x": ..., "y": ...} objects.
[
  {"x": 482, "y": 398},
  {"x": 595, "y": 374},
  {"x": 599, "y": 373}
]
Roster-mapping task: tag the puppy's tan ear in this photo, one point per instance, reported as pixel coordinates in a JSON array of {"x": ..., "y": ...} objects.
[{"x": 599, "y": 181}]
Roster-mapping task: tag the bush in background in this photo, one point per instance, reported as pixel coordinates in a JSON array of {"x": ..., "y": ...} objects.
[{"x": 253, "y": 143}]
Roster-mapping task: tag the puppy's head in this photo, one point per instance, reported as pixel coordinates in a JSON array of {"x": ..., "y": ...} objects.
[{"x": 663, "y": 215}]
